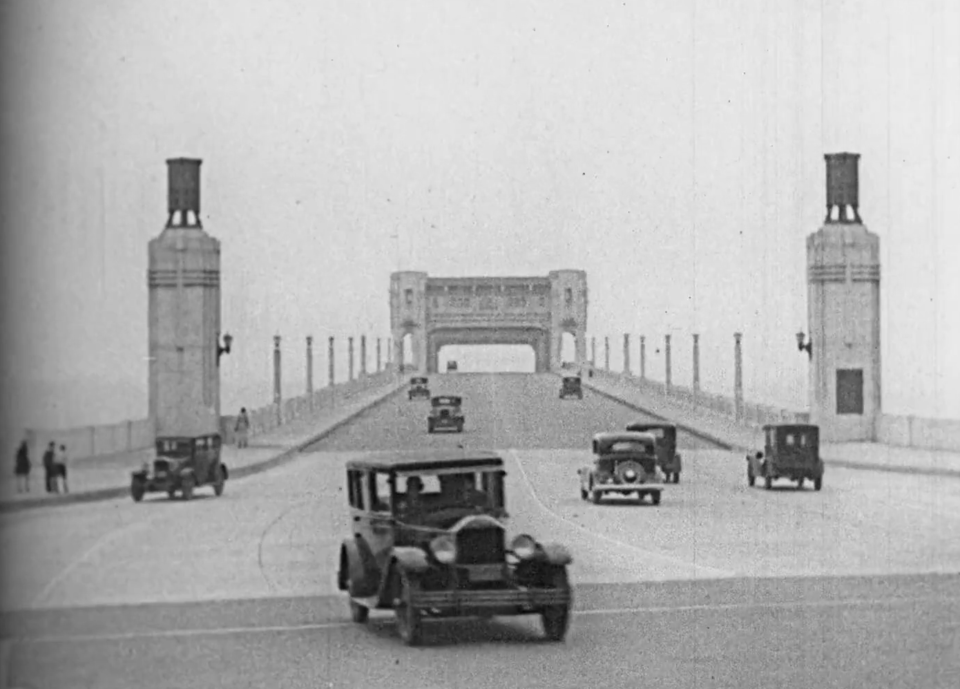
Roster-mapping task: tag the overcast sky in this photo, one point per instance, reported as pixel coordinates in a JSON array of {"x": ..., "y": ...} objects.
[{"x": 674, "y": 152}]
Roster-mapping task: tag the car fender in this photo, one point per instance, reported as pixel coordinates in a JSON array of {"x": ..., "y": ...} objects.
[
  {"x": 679, "y": 461},
  {"x": 556, "y": 554},
  {"x": 358, "y": 564},
  {"x": 226, "y": 474},
  {"x": 403, "y": 558},
  {"x": 139, "y": 475},
  {"x": 183, "y": 473}
]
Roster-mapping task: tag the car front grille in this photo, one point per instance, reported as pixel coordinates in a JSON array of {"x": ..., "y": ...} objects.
[
  {"x": 161, "y": 466},
  {"x": 481, "y": 546}
]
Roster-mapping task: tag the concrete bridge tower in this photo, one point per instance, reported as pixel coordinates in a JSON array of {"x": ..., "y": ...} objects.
[
  {"x": 184, "y": 313},
  {"x": 843, "y": 306},
  {"x": 408, "y": 316},
  {"x": 568, "y": 314}
]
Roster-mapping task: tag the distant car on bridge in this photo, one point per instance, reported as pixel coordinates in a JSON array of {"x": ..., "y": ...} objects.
[
  {"x": 181, "y": 464},
  {"x": 445, "y": 414},
  {"x": 429, "y": 540},
  {"x": 668, "y": 459},
  {"x": 418, "y": 389},
  {"x": 451, "y": 366},
  {"x": 791, "y": 451},
  {"x": 571, "y": 386},
  {"x": 624, "y": 463}
]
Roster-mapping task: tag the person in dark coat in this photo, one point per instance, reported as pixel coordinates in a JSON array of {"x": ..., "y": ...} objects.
[
  {"x": 50, "y": 467},
  {"x": 22, "y": 468}
]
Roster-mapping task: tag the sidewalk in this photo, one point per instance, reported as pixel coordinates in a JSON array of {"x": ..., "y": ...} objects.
[
  {"x": 107, "y": 478},
  {"x": 730, "y": 435}
]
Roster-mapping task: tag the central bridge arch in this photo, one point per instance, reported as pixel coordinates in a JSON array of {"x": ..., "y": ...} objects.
[{"x": 534, "y": 311}]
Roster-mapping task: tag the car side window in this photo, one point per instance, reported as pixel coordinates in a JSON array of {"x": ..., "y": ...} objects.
[
  {"x": 355, "y": 489},
  {"x": 790, "y": 440},
  {"x": 803, "y": 440},
  {"x": 379, "y": 491}
]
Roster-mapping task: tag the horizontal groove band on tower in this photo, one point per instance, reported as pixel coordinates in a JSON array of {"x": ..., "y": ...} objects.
[
  {"x": 837, "y": 272},
  {"x": 164, "y": 277}
]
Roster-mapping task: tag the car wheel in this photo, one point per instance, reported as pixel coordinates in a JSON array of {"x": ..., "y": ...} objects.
[
  {"x": 818, "y": 483},
  {"x": 751, "y": 479},
  {"x": 186, "y": 487},
  {"x": 583, "y": 493},
  {"x": 172, "y": 493},
  {"x": 655, "y": 496},
  {"x": 768, "y": 482},
  {"x": 676, "y": 477},
  {"x": 800, "y": 483},
  {"x": 460, "y": 428},
  {"x": 409, "y": 624},
  {"x": 137, "y": 489},
  {"x": 358, "y": 613},
  {"x": 556, "y": 618},
  {"x": 220, "y": 482}
]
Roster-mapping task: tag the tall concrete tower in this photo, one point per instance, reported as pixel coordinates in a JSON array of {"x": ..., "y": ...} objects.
[
  {"x": 568, "y": 314},
  {"x": 184, "y": 313},
  {"x": 843, "y": 307},
  {"x": 408, "y": 315}
]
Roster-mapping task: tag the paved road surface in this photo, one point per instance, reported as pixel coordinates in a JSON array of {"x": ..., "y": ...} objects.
[{"x": 239, "y": 591}]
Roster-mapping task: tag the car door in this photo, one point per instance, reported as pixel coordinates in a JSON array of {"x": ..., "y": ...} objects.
[{"x": 379, "y": 516}]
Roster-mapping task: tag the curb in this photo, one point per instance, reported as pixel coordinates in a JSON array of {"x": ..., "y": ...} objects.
[
  {"x": 724, "y": 445},
  {"x": 103, "y": 494}
]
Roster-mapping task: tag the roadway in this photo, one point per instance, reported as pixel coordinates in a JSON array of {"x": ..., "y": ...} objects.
[{"x": 720, "y": 585}]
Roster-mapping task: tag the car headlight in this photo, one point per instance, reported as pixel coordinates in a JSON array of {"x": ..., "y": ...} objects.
[
  {"x": 629, "y": 474},
  {"x": 444, "y": 548},
  {"x": 524, "y": 547}
]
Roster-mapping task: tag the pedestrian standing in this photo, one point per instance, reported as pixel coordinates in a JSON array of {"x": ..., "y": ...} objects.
[
  {"x": 61, "y": 469},
  {"x": 22, "y": 468},
  {"x": 49, "y": 467},
  {"x": 242, "y": 428}
]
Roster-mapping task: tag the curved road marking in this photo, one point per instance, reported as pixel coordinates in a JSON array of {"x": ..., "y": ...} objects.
[
  {"x": 104, "y": 540},
  {"x": 263, "y": 536},
  {"x": 600, "y": 612},
  {"x": 710, "y": 572}
]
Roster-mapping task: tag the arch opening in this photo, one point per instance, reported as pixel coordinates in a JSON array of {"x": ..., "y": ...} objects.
[
  {"x": 406, "y": 351},
  {"x": 507, "y": 358},
  {"x": 568, "y": 349}
]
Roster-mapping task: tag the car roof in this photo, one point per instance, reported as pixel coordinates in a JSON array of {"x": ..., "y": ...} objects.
[
  {"x": 425, "y": 460},
  {"x": 418, "y": 379},
  {"x": 454, "y": 399},
  {"x": 187, "y": 437},
  {"x": 637, "y": 425},
  {"x": 792, "y": 427},
  {"x": 612, "y": 436},
  {"x": 571, "y": 377}
]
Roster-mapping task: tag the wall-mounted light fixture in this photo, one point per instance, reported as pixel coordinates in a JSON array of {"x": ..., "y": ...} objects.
[
  {"x": 804, "y": 346},
  {"x": 225, "y": 347}
]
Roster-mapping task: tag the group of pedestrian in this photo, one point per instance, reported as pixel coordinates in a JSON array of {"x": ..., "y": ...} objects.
[{"x": 54, "y": 468}]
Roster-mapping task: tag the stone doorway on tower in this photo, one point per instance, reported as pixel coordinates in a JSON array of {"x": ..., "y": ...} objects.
[{"x": 488, "y": 358}]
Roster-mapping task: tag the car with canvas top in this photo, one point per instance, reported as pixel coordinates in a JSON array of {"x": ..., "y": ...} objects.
[
  {"x": 429, "y": 541},
  {"x": 791, "y": 451},
  {"x": 181, "y": 464},
  {"x": 445, "y": 414},
  {"x": 668, "y": 459}
]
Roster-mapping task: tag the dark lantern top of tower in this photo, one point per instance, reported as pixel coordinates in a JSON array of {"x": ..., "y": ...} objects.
[
  {"x": 843, "y": 188},
  {"x": 183, "y": 195}
]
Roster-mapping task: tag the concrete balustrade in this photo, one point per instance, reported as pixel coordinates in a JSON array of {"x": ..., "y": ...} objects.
[{"x": 135, "y": 435}]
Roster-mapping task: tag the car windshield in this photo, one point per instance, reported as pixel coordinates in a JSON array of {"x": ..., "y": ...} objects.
[
  {"x": 619, "y": 446},
  {"x": 174, "y": 448},
  {"x": 445, "y": 402},
  {"x": 426, "y": 497}
]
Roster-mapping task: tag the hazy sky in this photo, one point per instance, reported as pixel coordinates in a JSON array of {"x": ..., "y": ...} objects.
[{"x": 672, "y": 150}]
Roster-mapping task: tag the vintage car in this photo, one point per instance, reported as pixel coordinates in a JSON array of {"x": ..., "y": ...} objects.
[
  {"x": 418, "y": 388},
  {"x": 451, "y": 366},
  {"x": 571, "y": 386},
  {"x": 791, "y": 451},
  {"x": 181, "y": 464},
  {"x": 429, "y": 541},
  {"x": 668, "y": 459},
  {"x": 445, "y": 414},
  {"x": 624, "y": 463}
]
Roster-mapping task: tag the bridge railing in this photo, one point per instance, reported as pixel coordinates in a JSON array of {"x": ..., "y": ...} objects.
[
  {"x": 138, "y": 434},
  {"x": 901, "y": 431}
]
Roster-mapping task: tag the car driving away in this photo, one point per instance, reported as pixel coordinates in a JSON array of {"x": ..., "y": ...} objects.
[
  {"x": 429, "y": 541},
  {"x": 668, "y": 459},
  {"x": 571, "y": 386},
  {"x": 624, "y": 463},
  {"x": 791, "y": 451}
]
